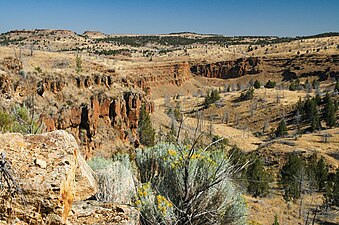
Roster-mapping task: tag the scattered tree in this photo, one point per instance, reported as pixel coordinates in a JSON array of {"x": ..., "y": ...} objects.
[
  {"x": 211, "y": 97},
  {"x": 281, "y": 129},
  {"x": 145, "y": 129},
  {"x": 257, "y": 84},
  {"x": 330, "y": 113},
  {"x": 270, "y": 84},
  {"x": 291, "y": 174},
  {"x": 248, "y": 95},
  {"x": 78, "y": 64},
  {"x": 336, "y": 87},
  {"x": 257, "y": 179}
]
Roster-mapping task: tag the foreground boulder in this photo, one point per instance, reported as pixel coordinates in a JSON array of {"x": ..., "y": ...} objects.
[{"x": 50, "y": 176}]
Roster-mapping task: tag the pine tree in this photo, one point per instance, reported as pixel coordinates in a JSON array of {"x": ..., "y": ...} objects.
[
  {"x": 145, "y": 129},
  {"x": 291, "y": 174},
  {"x": 311, "y": 113},
  {"x": 257, "y": 179},
  {"x": 315, "y": 121},
  {"x": 281, "y": 129},
  {"x": 332, "y": 189},
  {"x": 330, "y": 113},
  {"x": 321, "y": 173}
]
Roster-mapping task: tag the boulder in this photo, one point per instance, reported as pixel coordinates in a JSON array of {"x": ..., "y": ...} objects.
[{"x": 51, "y": 173}]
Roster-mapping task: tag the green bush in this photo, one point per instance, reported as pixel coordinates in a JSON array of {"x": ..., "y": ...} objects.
[{"x": 185, "y": 185}]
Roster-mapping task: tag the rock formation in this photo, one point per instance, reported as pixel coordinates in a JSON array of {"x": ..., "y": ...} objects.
[
  {"x": 53, "y": 176},
  {"x": 227, "y": 69}
]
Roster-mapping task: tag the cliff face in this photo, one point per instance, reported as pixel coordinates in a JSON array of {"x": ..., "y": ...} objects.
[
  {"x": 284, "y": 67},
  {"x": 227, "y": 69},
  {"x": 148, "y": 77}
]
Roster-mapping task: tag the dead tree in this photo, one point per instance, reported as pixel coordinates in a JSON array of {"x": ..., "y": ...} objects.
[{"x": 7, "y": 180}]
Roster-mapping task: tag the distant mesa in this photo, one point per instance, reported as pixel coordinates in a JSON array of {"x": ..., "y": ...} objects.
[{"x": 94, "y": 34}]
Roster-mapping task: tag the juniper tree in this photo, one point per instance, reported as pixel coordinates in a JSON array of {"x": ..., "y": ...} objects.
[
  {"x": 317, "y": 170},
  {"x": 257, "y": 84},
  {"x": 270, "y": 84},
  {"x": 145, "y": 128},
  {"x": 257, "y": 179},
  {"x": 78, "y": 64},
  {"x": 311, "y": 113},
  {"x": 291, "y": 174},
  {"x": 330, "y": 113},
  {"x": 281, "y": 129},
  {"x": 211, "y": 97}
]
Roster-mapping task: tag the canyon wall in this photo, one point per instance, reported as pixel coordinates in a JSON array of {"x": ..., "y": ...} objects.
[
  {"x": 227, "y": 69},
  {"x": 284, "y": 67}
]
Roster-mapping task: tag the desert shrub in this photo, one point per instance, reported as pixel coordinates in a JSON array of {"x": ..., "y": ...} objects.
[
  {"x": 187, "y": 185},
  {"x": 78, "y": 64},
  {"x": 20, "y": 120},
  {"x": 6, "y": 121},
  {"x": 115, "y": 178}
]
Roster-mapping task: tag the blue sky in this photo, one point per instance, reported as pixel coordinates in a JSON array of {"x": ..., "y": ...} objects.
[{"x": 227, "y": 17}]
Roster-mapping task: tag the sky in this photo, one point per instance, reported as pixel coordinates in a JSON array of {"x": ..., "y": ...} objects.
[{"x": 226, "y": 17}]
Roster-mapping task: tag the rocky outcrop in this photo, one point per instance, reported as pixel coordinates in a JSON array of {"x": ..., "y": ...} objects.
[
  {"x": 227, "y": 69},
  {"x": 51, "y": 84},
  {"x": 160, "y": 74},
  {"x": 101, "y": 117},
  {"x": 54, "y": 183}
]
